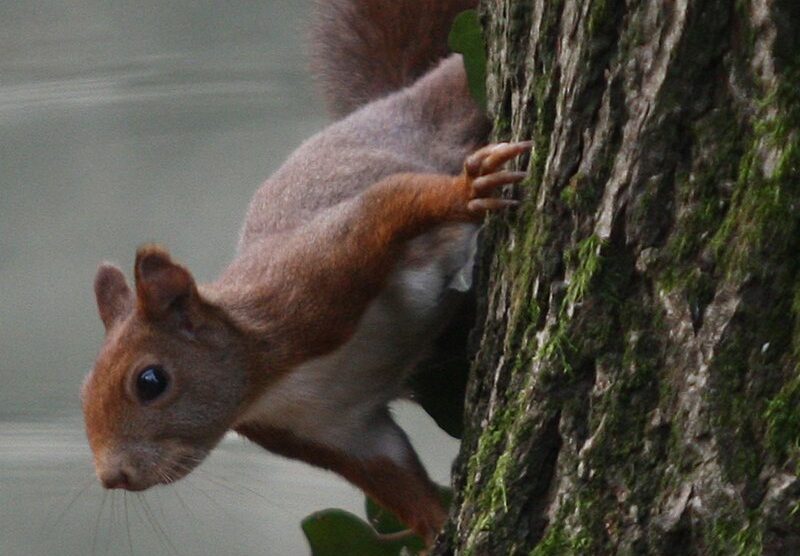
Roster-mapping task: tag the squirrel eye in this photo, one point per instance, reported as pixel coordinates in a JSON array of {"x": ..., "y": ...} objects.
[{"x": 151, "y": 383}]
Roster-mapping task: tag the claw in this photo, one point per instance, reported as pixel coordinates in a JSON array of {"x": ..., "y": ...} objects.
[
  {"x": 488, "y": 204},
  {"x": 483, "y": 174},
  {"x": 491, "y": 157},
  {"x": 484, "y": 185}
]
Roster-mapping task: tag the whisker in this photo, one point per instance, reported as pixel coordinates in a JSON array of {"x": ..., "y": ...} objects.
[
  {"x": 156, "y": 526},
  {"x": 97, "y": 521},
  {"x": 214, "y": 502},
  {"x": 82, "y": 490},
  {"x": 183, "y": 503},
  {"x": 229, "y": 486},
  {"x": 169, "y": 480},
  {"x": 113, "y": 521},
  {"x": 127, "y": 523},
  {"x": 138, "y": 515},
  {"x": 236, "y": 489},
  {"x": 219, "y": 483},
  {"x": 160, "y": 502},
  {"x": 271, "y": 501}
]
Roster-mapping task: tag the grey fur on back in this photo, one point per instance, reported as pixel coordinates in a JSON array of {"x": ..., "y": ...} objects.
[{"x": 427, "y": 125}]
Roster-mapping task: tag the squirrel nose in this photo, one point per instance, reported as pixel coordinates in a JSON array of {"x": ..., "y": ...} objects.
[{"x": 116, "y": 478}]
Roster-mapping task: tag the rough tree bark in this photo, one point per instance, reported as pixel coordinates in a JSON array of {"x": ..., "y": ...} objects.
[{"x": 636, "y": 387}]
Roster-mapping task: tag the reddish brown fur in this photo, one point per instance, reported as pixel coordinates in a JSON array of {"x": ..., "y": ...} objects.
[
  {"x": 408, "y": 492},
  {"x": 321, "y": 240},
  {"x": 353, "y": 249},
  {"x": 292, "y": 310}
]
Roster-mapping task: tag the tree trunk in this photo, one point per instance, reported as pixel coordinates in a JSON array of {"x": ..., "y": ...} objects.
[{"x": 636, "y": 387}]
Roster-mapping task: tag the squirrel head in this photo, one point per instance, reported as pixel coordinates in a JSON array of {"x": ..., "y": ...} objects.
[{"x": 169, "y": 379}]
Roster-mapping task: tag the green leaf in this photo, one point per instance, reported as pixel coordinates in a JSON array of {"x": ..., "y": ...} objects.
[
  {"x": 337, "y": 532},
  {"x": 466, "y": 38}
]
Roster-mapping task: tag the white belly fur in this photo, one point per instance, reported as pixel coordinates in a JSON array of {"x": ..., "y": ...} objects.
[{"x": 329, "y": 400}]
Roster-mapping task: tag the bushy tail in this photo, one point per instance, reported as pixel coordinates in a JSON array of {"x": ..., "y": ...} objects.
[{"x": 365, "y": 49}]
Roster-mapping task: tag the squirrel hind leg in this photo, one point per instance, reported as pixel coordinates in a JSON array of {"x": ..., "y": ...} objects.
[
  {"x": 364, "y": 49},
  {"x": 395, "y": 478}
]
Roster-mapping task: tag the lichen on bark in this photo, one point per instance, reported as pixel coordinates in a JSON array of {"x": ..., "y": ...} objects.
[{"x": 636, "y": 378}]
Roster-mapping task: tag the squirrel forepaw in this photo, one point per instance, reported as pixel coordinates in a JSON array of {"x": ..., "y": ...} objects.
[{"x": 484, "y": 175}]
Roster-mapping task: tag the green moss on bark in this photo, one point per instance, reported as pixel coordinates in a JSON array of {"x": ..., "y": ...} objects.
[
  {"x": 783, "y": 420},
  {"x": 655, "y": 259}
]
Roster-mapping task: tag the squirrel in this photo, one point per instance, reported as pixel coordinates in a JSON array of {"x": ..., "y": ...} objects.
[{"x": 338, "y": 286}]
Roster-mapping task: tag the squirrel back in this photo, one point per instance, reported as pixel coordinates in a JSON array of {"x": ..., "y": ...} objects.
[
  {"x": 402, "y": 101},
  {"x": 364, "y": 49}
]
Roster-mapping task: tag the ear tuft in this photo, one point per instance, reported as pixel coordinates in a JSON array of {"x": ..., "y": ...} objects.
[
  {"x": 162, "y": 285},
  {"x": 114, "y": 297}
]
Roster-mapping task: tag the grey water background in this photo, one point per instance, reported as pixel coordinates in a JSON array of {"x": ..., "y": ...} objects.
[{"x": 120, "y": 123}]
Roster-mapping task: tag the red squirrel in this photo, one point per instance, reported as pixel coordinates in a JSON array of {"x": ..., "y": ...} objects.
[{"x": 336, "y": 289}]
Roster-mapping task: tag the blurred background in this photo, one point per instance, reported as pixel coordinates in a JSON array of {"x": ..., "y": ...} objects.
[{"x": 121, "y": 123}]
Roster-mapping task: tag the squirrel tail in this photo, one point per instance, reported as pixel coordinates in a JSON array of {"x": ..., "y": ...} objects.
[{"x": 365, "y": 49}]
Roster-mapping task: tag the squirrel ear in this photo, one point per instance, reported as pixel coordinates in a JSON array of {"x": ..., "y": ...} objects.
[
  {"x": 162, "y": 287},
  {"x": 114, "y": 297}
]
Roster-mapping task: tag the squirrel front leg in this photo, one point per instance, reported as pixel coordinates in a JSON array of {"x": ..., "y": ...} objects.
[
  {"x": 391, "y": 473},
  {"x": 334, "y": 266}
]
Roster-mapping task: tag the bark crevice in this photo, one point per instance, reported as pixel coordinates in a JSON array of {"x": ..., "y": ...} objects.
[{"x": 636, "y": 381}]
